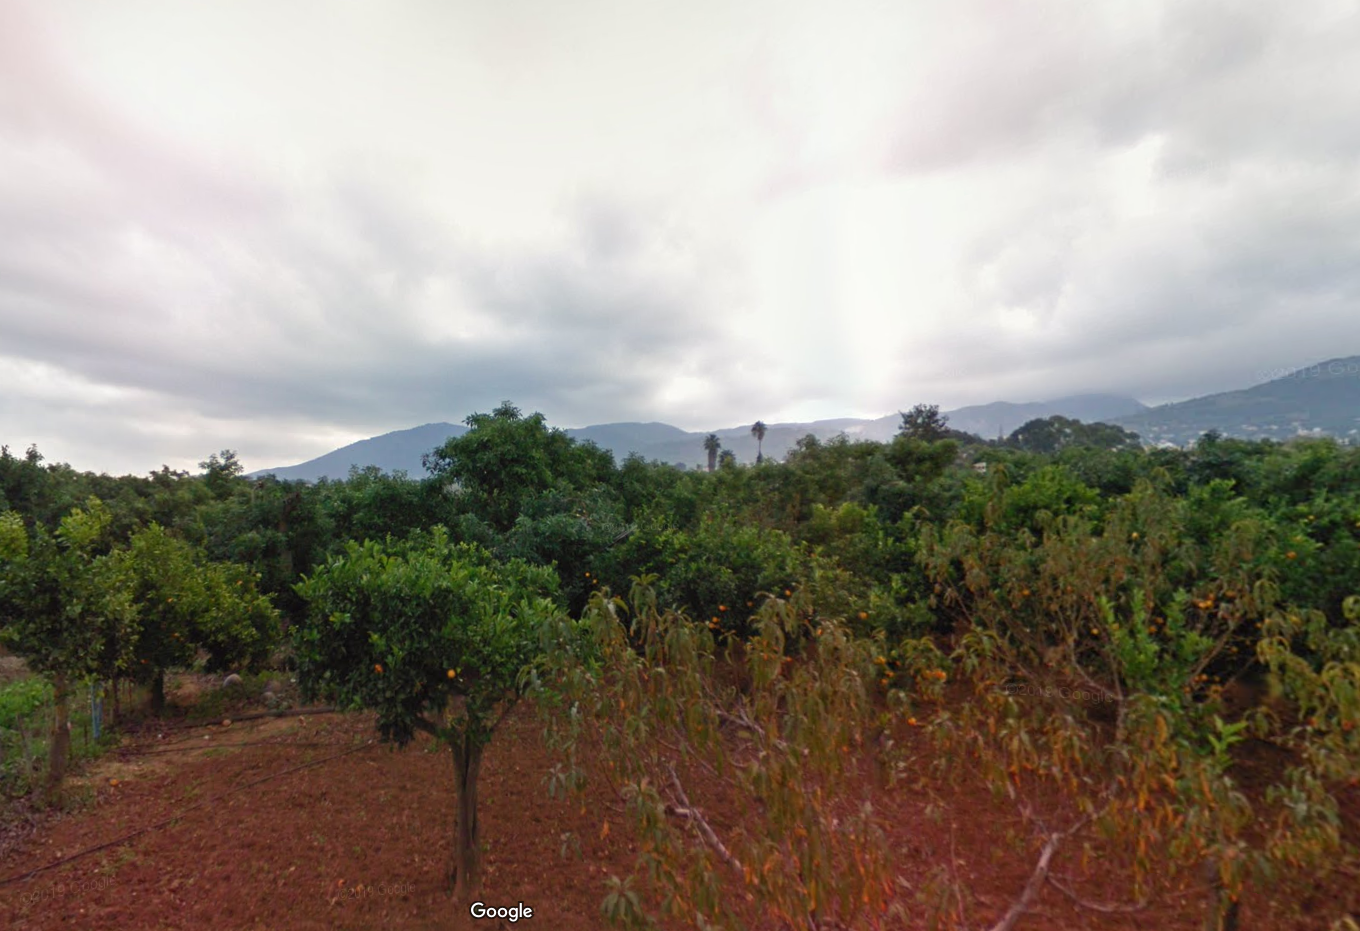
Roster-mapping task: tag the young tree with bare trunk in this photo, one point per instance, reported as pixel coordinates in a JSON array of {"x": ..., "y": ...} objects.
[
  {"x": 58, "y": 605},
  {"x": 432, "y": 636}
]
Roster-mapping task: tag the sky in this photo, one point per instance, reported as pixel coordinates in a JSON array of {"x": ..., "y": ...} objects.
[{"x": 282, "y": 227}]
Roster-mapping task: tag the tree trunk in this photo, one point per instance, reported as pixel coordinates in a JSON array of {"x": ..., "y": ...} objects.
[
  {"x": 158, "y": 693},
  {"x": 60, "y": 748},
  {"x": 467, "y": 762},
  {"x": 1222, "y": 914}
]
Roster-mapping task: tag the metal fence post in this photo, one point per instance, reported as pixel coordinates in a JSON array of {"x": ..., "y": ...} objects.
[{"x": 96, "y": 709}]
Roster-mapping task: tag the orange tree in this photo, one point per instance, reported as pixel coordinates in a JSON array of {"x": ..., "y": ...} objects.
[
  {"x": 187, "y": 605},
  {"x": 59, "y": 606},
  {"x": 432, "y": 636}
]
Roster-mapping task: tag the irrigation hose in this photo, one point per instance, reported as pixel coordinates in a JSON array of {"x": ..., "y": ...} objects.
[
  {"x": 294, "y": 712},
  {"x": 128, "y": 753}
]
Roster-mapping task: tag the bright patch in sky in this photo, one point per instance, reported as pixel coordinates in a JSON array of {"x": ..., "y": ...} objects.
[{"x": 277, "y": 228}]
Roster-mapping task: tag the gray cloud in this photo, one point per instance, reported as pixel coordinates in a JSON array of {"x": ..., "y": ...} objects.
[{"x": 781, "y": 216}]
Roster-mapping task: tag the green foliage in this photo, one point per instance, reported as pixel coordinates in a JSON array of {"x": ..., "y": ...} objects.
[
  {"x": 26, "y": 724},
  {"x": 371, "y": 505},
  {"x": 40, "y": 494},
  {"x": 221, "y": 473},
  {"x": 924, "y": 422},
  {"x": 1123, "y": 628},
  {"x": 1051, "y": 434},
  {"x": 717, "y": 572},
  {"x": 645, "y": 487},
  {"x": 507, "y": 459},
  {"x": 1133, "y": 605},
  {"x": 572, "y": 533},
  {"x": 405, "y": 627},
  {"x": 432, "y": 636},
  {"x": 22, "y": 698},
  {"x": 1045, "y": 493},
  {"x": 60, "y": 605},
  {"x": 185, "y": 604},
  {"x": 59, "y": 599}
]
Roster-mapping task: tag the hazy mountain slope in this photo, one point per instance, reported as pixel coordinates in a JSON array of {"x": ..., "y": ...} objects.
[
  {"x": 402, "y": 449},
  {"x": 1318, "y": 398},
  {"x": 1001, "y": 418},
  {"x": 399, "y": 450},
  {"x": 622, "y": 437}
]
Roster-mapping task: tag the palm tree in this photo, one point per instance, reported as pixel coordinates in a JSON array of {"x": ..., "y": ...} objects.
[
  {"x": 711, "y": 446},
  {"x": 758, "y": 431}
]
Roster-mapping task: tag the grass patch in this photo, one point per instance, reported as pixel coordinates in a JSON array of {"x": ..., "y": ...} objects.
[{"x": 26, "y": 720}]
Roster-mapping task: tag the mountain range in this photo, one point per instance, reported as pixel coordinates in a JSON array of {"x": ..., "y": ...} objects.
[{"x": 1318, "y": 399}]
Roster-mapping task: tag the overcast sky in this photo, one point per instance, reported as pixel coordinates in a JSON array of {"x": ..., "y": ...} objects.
[{"x": 279, "y": 227}]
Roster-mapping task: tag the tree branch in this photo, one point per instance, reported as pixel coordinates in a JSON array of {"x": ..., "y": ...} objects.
[
  {"x": 1108, "y": 908},
  {"x": 1040, "y": 874},
  {"x": 1036, "y": 881},
  {"x": 700, "y": 823}
]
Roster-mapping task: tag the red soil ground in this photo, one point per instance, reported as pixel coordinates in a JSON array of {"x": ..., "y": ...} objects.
[{"x": 362, "y": 840}]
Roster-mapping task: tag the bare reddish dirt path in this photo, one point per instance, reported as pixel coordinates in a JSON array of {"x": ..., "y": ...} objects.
[{"x": 363, "y": 841}]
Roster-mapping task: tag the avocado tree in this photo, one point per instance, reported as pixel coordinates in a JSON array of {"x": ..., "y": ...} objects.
[
  {"x": 59, "y": 607},
  {"x": 506, "y": 460},
  {"x": 432, "y": 636},
  {"x": 1051, "y": 434},
  {"x": 924, "y": 422}
]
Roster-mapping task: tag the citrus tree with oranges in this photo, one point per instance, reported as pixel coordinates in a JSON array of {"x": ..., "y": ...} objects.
[
  {"x": 432, "y": 636},
  {"x": 58, "y": 605},
  {"x": 187, "y": 607}
]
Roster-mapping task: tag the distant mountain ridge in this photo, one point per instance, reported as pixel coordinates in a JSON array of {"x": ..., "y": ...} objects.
[
  {"x": 398, "y": 451},
  {"x": 1321, "y": 399},
  {"x": 401, "y": 450},
  {"x": 1001, "y": 418}
]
